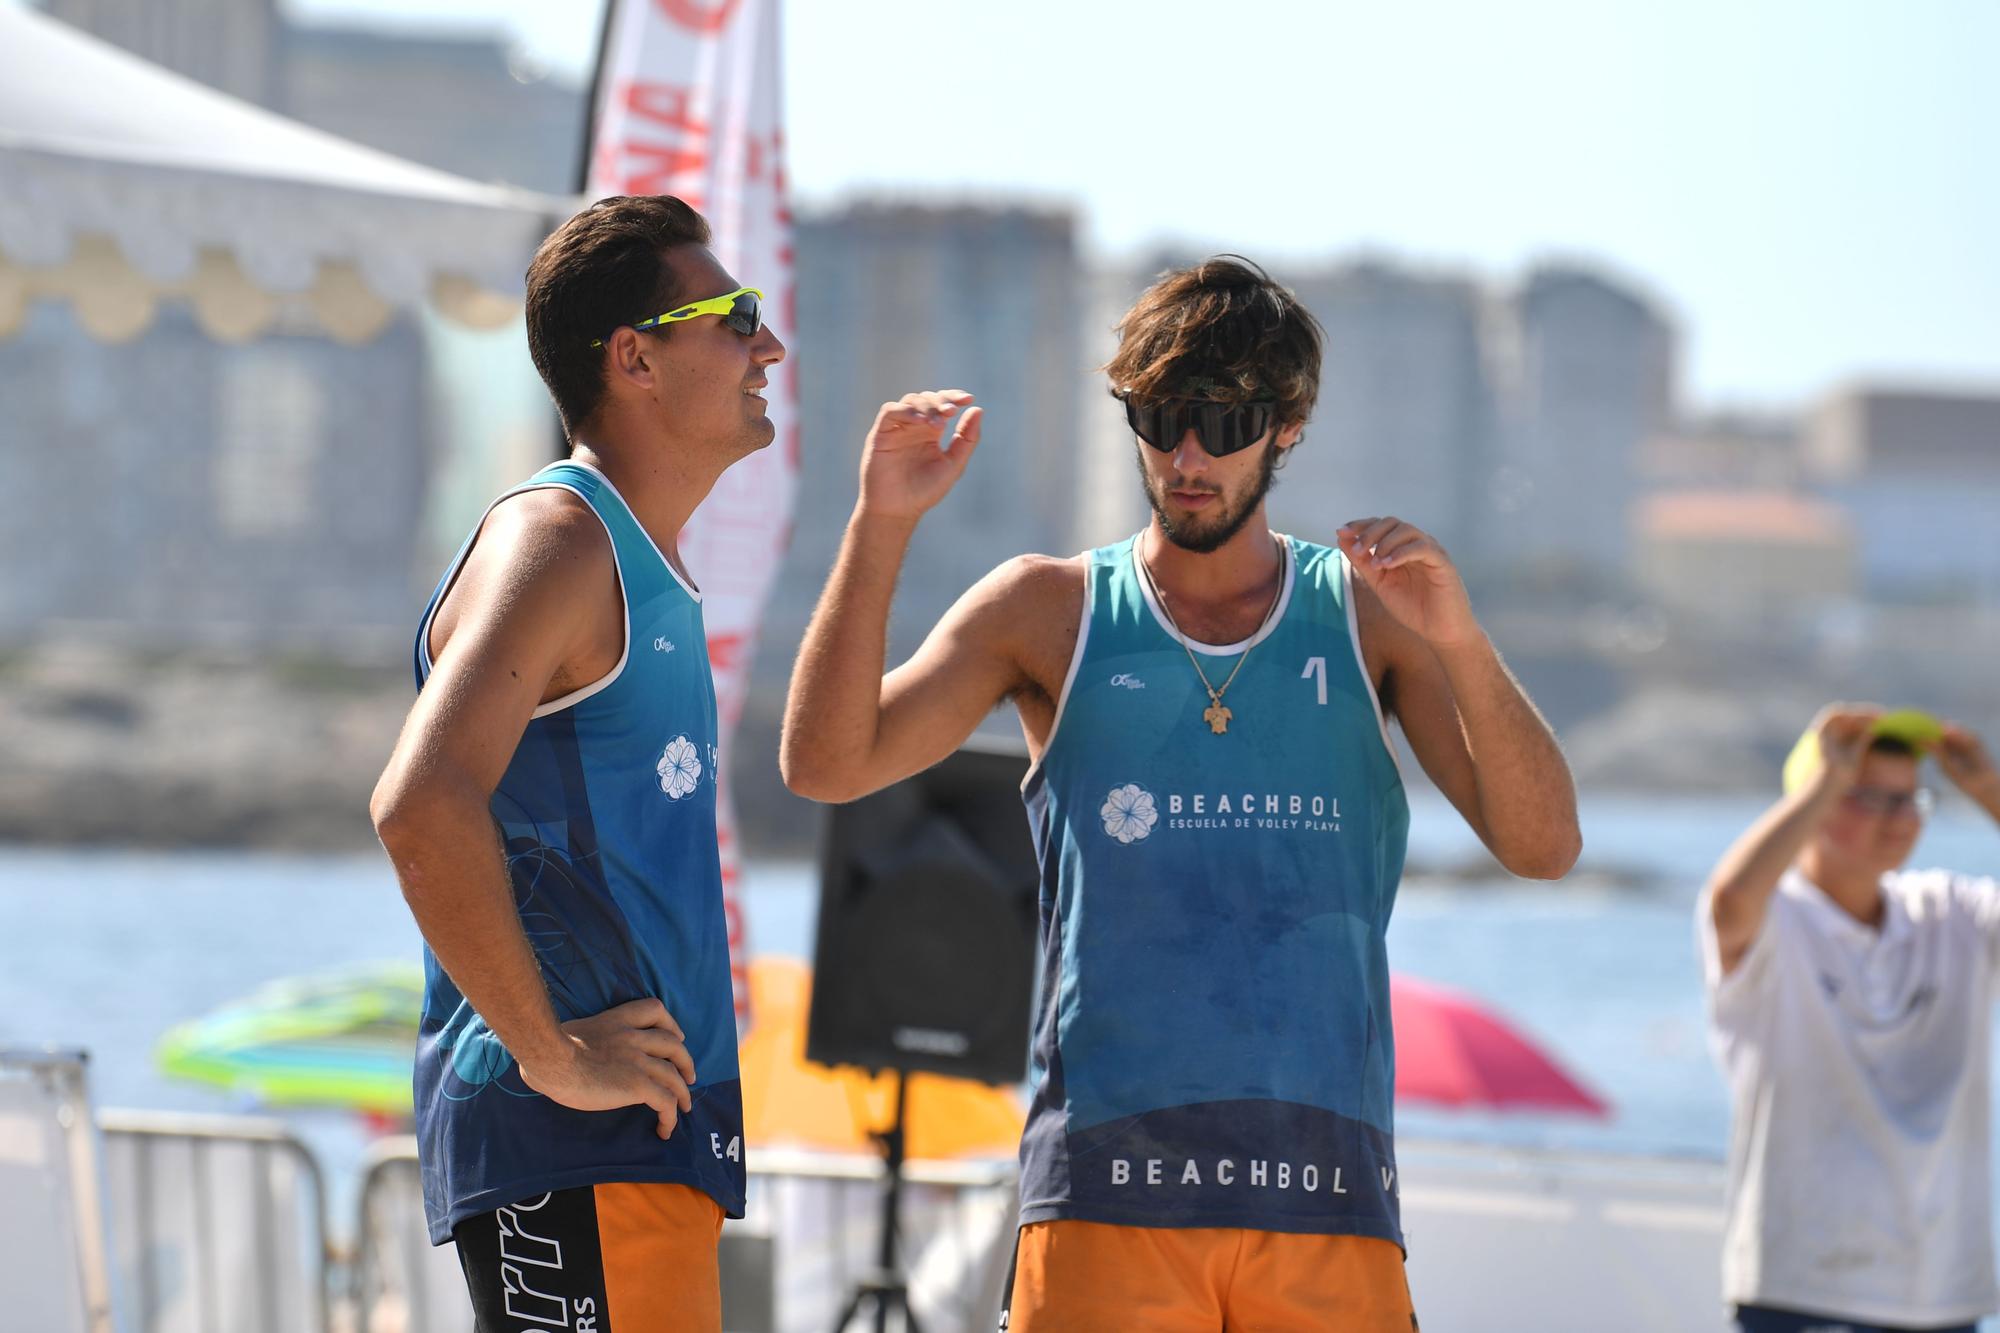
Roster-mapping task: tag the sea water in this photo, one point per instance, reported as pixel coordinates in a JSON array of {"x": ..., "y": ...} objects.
[{"x": 104, "y": 950}]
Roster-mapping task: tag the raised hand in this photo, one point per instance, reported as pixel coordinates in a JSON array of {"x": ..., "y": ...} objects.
[
  {"x": 1844, "y": 732},
  {"x": 1413, "y": 576},
  {"x": 630, "y": 1055},
  {"x": 1964, "y": 759},
  {"x": 903, "y": 471}
]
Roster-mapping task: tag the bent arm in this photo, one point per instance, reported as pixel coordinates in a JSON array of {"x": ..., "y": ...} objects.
[
  {"x": 849, "y": 728},
  {"x": 1738, "y": 894},
  {"x": 526, "y": 595},
  {"x": 1482, "y": 741}
]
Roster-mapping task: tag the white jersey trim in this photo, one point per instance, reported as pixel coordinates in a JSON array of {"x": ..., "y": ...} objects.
[
  {"x": 686, "y": 586},
  {"x": 1075, "y": 665},
  {"x": 576, "y": 696},
  {"x": 1361, "y": 662},
  {"x": 1264, "y": 631}
]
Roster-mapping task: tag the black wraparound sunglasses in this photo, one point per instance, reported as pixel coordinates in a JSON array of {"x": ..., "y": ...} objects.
[{"x": 1222, "y": 428}]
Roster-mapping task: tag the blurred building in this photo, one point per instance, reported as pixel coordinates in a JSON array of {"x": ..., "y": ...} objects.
[
  {"x": 1406, "y": 417},
  {"x": 271, "y": 495},
  {"x": 1730, "y": 559},
  {"x": 1587, "y": 377},
  {"x": 172, "y": 494},
  {"x": 896, "y": 298},
  {"x": 1725, "y": 451},
  {"x": 1920, "y": 473},
  {"x": 227, "y": 44},
  {"x": 1510, "y": 426},
  {"x": 465, "y": 104},
  {"x": 1110, "y": 501}
]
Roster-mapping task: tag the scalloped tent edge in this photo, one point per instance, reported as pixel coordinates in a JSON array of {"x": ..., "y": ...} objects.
[{"x": 123, "y": 185}]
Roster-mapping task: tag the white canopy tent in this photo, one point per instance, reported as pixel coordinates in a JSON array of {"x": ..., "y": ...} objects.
[{"x": 122, "y": 183}]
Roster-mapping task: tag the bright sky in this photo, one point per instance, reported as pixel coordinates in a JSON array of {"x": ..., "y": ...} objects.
[{"x": 1809, "y": 185}]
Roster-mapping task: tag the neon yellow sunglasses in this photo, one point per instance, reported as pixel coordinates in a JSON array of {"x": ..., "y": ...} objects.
[{"x": 742, "y": 310}]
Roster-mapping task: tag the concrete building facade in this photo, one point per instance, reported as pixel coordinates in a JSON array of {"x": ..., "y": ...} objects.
[
  {"x": 1919, "y": 471},
  {"x": 1587, "y": 378},
  {"x": 1406, "y": 416},
  {"x": 897, "y": 298},
  {"x": 172, "y": 494}
]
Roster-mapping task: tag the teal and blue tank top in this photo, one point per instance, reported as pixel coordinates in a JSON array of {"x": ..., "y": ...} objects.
[
  {"x": 607, "y": 817},
  {"x": 1212, "y": 1047}
]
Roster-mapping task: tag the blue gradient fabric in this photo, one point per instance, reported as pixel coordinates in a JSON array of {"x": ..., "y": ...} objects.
[
  {"x": 607, "y": 818},
  {"x": 1213, "y": 1045}
]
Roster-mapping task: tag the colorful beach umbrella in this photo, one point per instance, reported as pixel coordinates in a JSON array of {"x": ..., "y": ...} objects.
[
  {"x": 1452, "y": 1051},
  {"x": 342, "y": 1039},
  {"x": 790, "y": 1102}
]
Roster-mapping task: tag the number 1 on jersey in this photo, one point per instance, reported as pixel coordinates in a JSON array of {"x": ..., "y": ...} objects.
[{"x": 1316, "y": 671}]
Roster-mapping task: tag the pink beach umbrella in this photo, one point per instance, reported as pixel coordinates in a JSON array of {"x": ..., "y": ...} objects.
[{"x": 1453, "y": 1051}]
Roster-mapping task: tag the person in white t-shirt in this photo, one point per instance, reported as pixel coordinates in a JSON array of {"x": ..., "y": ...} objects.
[{"x": 1849, "y": 1003}]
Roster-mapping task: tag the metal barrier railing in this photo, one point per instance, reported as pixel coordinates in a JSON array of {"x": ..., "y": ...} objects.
[
  {"x": 811, "y": 1234},
  {"x": 53, "y": 1259},
  {"x": 822, "y": 1215},
  {"x": 218, "y": 1224},
  {"x": 400, "y": 1281}
]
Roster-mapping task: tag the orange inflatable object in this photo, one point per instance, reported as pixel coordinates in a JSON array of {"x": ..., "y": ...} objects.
[{"x": 791, "y": 1103}]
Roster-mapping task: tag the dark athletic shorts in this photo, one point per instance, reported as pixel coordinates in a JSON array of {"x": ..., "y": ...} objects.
[{"x": 598, "y": 1259}]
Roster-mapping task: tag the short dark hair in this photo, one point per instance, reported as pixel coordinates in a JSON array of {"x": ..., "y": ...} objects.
[
  {"x": 1221, "y": 329},
  {"x": 603, "y": 269},
  {"x": 1893, "y": 745}
]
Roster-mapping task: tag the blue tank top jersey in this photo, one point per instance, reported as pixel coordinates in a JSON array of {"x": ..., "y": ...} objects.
[
  {"x": 607, "y": 817},
  {"x": 1212, "y": 1047}
]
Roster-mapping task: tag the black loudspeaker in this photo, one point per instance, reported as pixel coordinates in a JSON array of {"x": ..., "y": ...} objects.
[{"x": 925, "y": 955}]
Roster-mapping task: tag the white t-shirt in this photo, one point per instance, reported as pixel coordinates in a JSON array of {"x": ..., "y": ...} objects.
[{"x": 1857, "y": 1059}]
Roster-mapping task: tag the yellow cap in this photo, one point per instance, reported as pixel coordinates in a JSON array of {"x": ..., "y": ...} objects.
[{"x": 1913, "y": 727}]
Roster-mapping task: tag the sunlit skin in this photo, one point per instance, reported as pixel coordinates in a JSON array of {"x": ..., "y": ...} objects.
[
  {"x": 680, "y": 405},
  {"x": 1828, "y": 830},
  {"x": 536, "y": 612},
  {"x": 853, "y": 727},
  {"x": 1201, "y": 502},
  {"x": 1856, "y": 846}
]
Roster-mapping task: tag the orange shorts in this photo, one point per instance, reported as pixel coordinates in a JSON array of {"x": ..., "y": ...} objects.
[
  {"x": 1089, "y": 1277},
  {"x": 597, "y": 1259}
]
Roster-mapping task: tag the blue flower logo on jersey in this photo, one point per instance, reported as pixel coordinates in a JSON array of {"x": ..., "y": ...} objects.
[
  {"x": 477, "y": 1057},
  {"x": 679, "y": 768},
  {"x": 1129, "y": 813}
]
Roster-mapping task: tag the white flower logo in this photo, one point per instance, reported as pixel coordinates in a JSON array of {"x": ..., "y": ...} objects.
[
  {"x": 1129, "y": 813},
  {"x": 679, "y": 768}
]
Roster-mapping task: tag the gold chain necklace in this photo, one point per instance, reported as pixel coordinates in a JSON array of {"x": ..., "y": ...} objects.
[{"x": 1217, "y": 714}]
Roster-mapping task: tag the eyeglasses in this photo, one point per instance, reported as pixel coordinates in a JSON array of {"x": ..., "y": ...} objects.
[
  {"x": 1882, "y": 801},
  {"x": 741, "y": 310},
  {"x": 1221, "y": 428}
]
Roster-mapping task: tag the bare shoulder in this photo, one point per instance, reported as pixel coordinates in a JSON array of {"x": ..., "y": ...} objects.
[
  {"x": 1040, "y": 584},
  {"x": 541, "y": 564},
  {"x": 1033, "y": 599},
  {"x": 547, "y": 533},
  {"x": 1034, "y": 607},
  {"x": 1019, "y": 592},
  {"x": 1038, "y": 604}
]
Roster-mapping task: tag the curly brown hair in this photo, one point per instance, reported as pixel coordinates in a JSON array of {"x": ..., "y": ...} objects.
[{"x": 1223, "y": 330}]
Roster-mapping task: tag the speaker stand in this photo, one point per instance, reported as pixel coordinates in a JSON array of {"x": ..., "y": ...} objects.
[{"x": 884, "y": 1288}]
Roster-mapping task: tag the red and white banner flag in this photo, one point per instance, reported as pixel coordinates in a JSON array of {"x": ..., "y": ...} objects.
[{"x": 689, "y": 104}]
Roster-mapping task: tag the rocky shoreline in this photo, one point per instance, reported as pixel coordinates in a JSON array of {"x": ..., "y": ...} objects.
[{"x": 115, "y": 748}]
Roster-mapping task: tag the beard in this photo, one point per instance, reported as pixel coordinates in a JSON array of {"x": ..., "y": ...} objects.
[{"x": 1205, "y": 532}]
